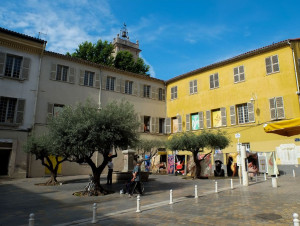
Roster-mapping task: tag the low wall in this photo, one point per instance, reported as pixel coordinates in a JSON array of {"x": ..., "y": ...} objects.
[{"x": 123, "y": 177}]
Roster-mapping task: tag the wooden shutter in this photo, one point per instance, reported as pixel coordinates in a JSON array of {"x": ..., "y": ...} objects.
[
  {"x": 191, "y": 87},
  {"x": 20, "y": 111},
  {"x": 157, "y": 125},
  {"x": 118, "y": 87},
  {"x": 201, "y": 120},
  {"x": 175, "y": 92},
  {"x": 25, "y": 68},
  {"x": 97, "y": 80},
  {"x": 163, "y": 94},
  {"x": 195, "y": 86},
  {"x": 236, "y": 74},
  {"x": 211, "y": 81},
  {"x": 275, "y": 63},
  {"x": 153, "y": 91},
  {"x": 153, "y": 123},
  {"x": 123, "y": 85},
  {"x": 187, "y": 122},
  {"x": 141, "y": 90},
  {"x": 2, "y": 63},
  {"x": 216, "y": 80},
  {"x": 179, "y": 123},
  {"x": 268, "y": 65},
  {"x": 172, "y": 93},
  {"x": 280, "y": 108},
  {"x": 208, "y": 119},
  {"x": 242, "y": 73},
  {"x": 53, "y": 72},
  {"x": 272, "y": 108},
  {"x": 81, "y": 77},
  {"x": 251, "y": 115},
  {"x": 142, "y": 129},
  {"x": 72, "y": 75},
  {"x": 232, "y": 115},
  {"x": 50, "y": 109},
  {"x": 135, "y": 89},
  {"x": 168, "y": 125},
  {"x": 223, "y": 117},
  {"x": 103, "y": 81}
]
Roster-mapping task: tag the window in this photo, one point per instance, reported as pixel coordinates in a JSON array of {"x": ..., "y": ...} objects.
[
  {"x": 11, "y": 110},
  {"x": 161, "y": 125},
  {"x": 128, "y": 87},
  {"x": 62, "y": 73},
  {"x": 245, "y": 113},
  {"x": 110, "y": 83},
  {"x": 146, "y": 124},
  {"x": 214, "y": 81},
  {"x": 193, "y": 87},
  {"x": 89, "y": 78},
  {"x": 272, "y": 64},
  {"x": 13, "y": 66},
  {"x": 276, "y": 108},
  {"x": 242, "y": 113},
  {"x": 161, "y": 94},
  {"x": 174, "y": 92},
  {"x": 147, "y": 90},
  {"x": 195, "y": 121},
  {"x": 239, "y": 74}
]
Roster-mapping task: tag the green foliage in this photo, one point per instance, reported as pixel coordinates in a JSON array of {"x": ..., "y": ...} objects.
[
  {"x": 197, "y": 142},
  {"x": 125, "y": 61},
  {"x": 150, "y": 145},
  {"x": 83, "y": 129},
  {"x": 99, "y": 52},
  {"x": 41, "y": 146}
]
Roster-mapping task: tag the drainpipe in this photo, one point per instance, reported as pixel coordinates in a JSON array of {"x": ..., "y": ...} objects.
[
  {"x": 296, "y": 74},
  {"x": 100, "y": 88},
  {"x": 28, "y": 173}
]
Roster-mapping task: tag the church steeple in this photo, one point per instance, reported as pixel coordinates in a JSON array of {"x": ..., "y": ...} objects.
[{"x": 122, "y": 43}]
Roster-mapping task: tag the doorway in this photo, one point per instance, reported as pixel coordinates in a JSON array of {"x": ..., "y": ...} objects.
[{"x": 5, "y": 152}]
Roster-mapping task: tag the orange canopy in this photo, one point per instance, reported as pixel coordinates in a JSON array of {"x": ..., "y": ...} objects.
[{"x": 286, "y": 128}]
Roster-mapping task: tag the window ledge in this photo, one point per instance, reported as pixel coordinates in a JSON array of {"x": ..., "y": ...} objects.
[{"x": 11, "y": 78}]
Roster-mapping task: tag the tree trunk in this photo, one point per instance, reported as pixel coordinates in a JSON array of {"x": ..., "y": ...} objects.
[
  {"x": 198, "y": 166},
  {"x": 52, "y": 180}
]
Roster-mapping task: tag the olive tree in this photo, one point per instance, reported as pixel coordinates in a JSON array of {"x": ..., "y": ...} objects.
[
  {"x": 44, "y": 147},
  {"x": 196, "y": 143},
  {"x": 83, "y": 130}
]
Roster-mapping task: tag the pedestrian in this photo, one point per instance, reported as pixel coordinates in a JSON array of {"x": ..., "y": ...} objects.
[
  {"x": 136, "y": 178},
  {"x": 110, "y": 171}
]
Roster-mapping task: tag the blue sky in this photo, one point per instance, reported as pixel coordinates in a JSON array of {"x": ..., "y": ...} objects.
[{"x": 175, "y": 36}]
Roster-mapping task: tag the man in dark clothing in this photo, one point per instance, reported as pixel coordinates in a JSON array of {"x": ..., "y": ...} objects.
[
  {"x": 136, "y": 178},
  {"x": 110, "y": 171}
]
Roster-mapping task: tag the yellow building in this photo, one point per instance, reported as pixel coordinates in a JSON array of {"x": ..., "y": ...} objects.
[{"x": 240, "y": 95}]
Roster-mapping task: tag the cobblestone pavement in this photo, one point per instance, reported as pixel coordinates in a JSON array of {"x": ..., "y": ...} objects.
[{"x": 257, "y": 204}]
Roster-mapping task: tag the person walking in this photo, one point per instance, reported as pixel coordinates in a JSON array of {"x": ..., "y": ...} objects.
[
  {"x": 136, "y": 178},
  {"x": 110, "y": 171}
]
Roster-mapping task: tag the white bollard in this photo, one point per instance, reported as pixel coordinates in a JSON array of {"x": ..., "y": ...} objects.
[
  {"x": 294, "y": 175},
  {"x": 171, "y": 197},
  {"x": 231, "y": 183},
  {"x": 31, "y": 219},
  {"x": 274, "y": 182},
  {"x": 94, "y": 213},
  {"x": 296, "y": 220},
  {"x": 265, "y": 174},
  {"x": 255, "y": 177},
  {"x": 138, "y": 210},
  {"x": 196, "y": 191},
  {"x": 216, "y": 186}
]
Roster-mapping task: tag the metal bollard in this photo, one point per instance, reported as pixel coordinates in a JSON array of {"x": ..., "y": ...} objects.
[
  {"x": 138, "y": 209},
  {"x": 274, "y": 182},
  {"x": 196, "y": 191},
  {"x": 171, "y": 197},
  {"x": 216, "y": 186},
  {"x": 231, "y": 183},
  {"x": 94, "y": 213},
  {"x": 265, "y": 174},
  {"x": 294, "y": 175},
  {"x": 296, "y": 220},
  {"x": 31, "y": 219}
]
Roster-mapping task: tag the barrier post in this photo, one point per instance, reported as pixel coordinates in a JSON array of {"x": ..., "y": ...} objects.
[
  {"x": 295, "y": 219},
  {"x": 31, "y": 219},
  {"x": 216, "y": 186},
  {"x": 196, "y": 191},
  {"x": 171, "y": 197},
  {"x": 231, "y": 183},
  {"x": 94, "y": 213},
  {"x": 138, "y": 210}
]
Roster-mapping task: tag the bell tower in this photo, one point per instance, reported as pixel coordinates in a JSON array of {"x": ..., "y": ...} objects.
[{"x": 122, "y": 43}]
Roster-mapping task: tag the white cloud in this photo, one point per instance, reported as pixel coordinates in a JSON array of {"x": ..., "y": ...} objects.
[{"x": 151, "y": 70}]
